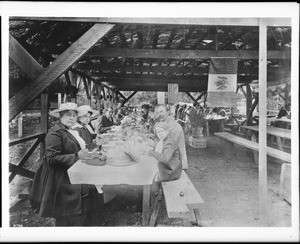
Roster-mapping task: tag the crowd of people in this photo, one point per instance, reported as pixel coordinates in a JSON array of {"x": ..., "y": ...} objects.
[{"x": 73, "y": 138}]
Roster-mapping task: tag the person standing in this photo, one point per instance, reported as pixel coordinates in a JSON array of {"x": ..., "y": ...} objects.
[{"x": 51, "y": 192}]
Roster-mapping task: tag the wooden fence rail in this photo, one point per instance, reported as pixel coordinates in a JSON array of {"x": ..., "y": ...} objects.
[{"x": 18, "y": 169}]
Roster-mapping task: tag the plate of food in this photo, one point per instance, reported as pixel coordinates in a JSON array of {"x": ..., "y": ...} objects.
[{"x": 96, "y": 159}]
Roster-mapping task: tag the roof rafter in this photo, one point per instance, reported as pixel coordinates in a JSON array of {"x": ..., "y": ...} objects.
[
  {"x": 57, "y": 68},
  {"x": 183, "y": 54},
  {"x": 169, "y": 21}
]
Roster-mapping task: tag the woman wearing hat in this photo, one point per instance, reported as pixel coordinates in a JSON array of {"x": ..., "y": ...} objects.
[
  {"x": 85, "y": 113},
  {"x": 52, "y": 194}
]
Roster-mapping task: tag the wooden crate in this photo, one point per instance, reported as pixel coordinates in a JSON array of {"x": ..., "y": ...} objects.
[{"x": 197, "y": 142}]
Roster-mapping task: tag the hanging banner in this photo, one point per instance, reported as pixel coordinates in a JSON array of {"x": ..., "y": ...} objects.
[
  {"x": 222, "y": 82},
  {"x": 172, "y": 93}
]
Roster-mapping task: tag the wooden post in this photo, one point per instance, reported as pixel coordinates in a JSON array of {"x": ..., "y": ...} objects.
[
  {"x": 20, "y": 125},
  {"x": 160, "y": 97},
  {"x": 44, "y": 121},
  {"x": 248, "y": 104},
  {"x": 58, "y": 99},
  {"x": 262, "y": 167},
  {"x": 90, "y": 92}
]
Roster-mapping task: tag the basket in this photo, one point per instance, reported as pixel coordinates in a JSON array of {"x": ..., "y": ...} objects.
[{"x": 197, "y": 142}]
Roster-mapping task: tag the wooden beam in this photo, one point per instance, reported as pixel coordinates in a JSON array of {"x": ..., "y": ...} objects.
[
  {"x": 182, "y": 54},
  {"x": 86, "y": 88},
  {"x": 272, "y": 71},
  {"x": 130, "y": 96},
  {"x": 262, "y": 167},
  {"x": 20, "y": 171},
  {"x": 44, "y": 121},
  {"x": 118, "y": 92},
  {"x": 248, "y": 96},
  {"x": 117, "y": 77},
  {"x": 201, "y": 95},
  {"x": 171, "y": 38},
  {"x": 162, "y": 88},
  {"x": 58, "y": 67},
  {"x": 69, "y": 85},
  {"x": 84, "y": 75},
  {"x": 23, "y": 59},
  {"x": 16, "y": 170},
  {"x": 155, "y": 38},
  {"x": 167, "y": 21},
  {"x": 156, "y": 69},
  {"x": 24, "y": 139},
  {"x": 189, "y": 94},
  {"x": 150, "y": 82}
]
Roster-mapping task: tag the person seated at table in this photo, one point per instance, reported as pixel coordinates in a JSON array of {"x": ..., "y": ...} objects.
[
  {"x": 119, "y": 116},
  {"x": 284, "y": 111},
  {"x": 163, "y": 115},
  {"x": 105, "y": 121},
  {"x": 85, "y": 113},
  {"x": 167, "y": 153},
  {"x": 51, "y": 192},
  {"x": 145, "y": 113}
]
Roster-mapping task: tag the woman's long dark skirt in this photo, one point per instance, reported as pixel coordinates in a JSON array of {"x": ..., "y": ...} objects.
[{"x": 92, "y": 205}]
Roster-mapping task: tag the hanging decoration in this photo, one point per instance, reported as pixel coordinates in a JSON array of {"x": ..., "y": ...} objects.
[{"x": 222, "y": 82}]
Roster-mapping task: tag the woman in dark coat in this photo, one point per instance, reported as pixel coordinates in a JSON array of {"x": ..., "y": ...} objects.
[{"x": 52, "y": 194}]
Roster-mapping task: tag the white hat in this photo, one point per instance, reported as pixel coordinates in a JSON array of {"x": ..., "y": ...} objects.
[
  {"x": 84, "y": 109},
  {"x": 63, "y": 107}
]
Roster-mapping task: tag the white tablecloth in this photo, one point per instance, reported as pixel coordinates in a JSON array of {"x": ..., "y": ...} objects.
[{"x": 141, "y": 173}]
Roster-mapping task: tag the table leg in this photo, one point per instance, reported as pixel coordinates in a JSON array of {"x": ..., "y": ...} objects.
[
  {"x": 221, "y": 126},
  {"x": 207, "y": 128},
  {"x": 279, "y": 143},
  {"x": 146, "y": 205},
  {"x": 255, "y": 154}
]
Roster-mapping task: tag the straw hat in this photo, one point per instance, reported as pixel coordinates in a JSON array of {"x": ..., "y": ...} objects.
[
  {"x": 84, "y": 109},
  {"x": 63, "y": 107}
]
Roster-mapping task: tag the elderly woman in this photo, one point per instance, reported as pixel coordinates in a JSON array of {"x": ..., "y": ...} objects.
[
  {"x": 85, "y": 113},
  {"x": 167, "y": 154},
  {"x": 52, "y": 194}
]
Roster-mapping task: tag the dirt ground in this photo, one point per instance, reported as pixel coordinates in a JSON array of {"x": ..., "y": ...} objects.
[{"x": 227, "y": 184}]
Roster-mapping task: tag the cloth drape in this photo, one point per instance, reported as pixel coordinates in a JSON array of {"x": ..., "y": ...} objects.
[{"x": 222, "y": 82}]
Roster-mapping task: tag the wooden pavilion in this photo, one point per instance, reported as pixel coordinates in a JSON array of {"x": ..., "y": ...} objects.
[{"x": 111, "y": 55}]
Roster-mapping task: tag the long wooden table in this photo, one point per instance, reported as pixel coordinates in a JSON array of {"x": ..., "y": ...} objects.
[
  {"x": 278, "y": 133},
  {"x": 139, "y": 174}
]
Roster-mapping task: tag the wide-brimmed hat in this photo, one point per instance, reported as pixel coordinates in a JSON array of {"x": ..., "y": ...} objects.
[
  {"x": 63, "y": 107},
  {"x": 84, "y": 109}
]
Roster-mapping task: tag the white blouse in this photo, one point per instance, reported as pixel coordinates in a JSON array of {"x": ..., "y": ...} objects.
[{"x": 78, "y": 138}]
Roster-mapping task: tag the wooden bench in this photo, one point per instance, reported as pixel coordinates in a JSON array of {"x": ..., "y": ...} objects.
[
  {"x": 232, "y": 127},
  {"x": 253, "y": 146},
  {"x": 182, "y": 200},
  {"x": 285, "y": 182}
]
